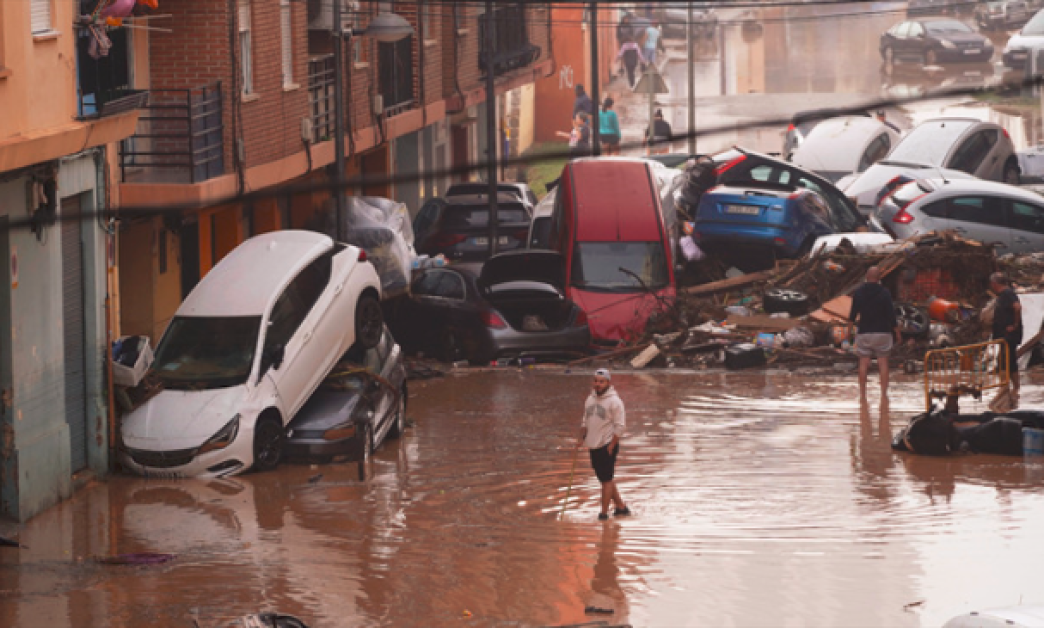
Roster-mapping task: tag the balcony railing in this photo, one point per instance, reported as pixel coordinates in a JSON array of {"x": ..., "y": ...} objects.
[
  {"x": 511, "y": 49},
  {"x": 395, "y": 64},
  {"x": 321, "y": 90},
  {"x": 180, "y": 138}
]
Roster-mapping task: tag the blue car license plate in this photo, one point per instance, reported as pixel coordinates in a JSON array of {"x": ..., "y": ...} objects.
[{"x": 746, "y": 210}]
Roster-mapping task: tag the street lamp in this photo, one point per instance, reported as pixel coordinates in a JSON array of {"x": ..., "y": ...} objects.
[{"x": 385, "y": 28}]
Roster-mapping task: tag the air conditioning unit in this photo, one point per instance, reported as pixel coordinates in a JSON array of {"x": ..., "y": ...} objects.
[{"x": 320, "y": 14}]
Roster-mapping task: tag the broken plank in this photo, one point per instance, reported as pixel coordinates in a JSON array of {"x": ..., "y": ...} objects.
[
  {"x": 647, "y": 355},
  {"x": 604, "y": 356},
  {"x": 762, "y": 322},
  {"x": 728, "y": 284}
]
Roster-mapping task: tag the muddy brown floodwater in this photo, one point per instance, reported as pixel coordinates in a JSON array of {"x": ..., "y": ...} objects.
[{"x": 760, "y": 500}]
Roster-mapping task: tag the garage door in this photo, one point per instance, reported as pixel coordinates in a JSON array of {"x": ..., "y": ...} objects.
[{"x": 73, "y": 331}]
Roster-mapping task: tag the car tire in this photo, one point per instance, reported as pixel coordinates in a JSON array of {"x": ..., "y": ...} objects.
[
  {"x": 450, "y": 349},
  {"x": 913, "y": 321},
  {"x": 793, "y": 302},
  {"x": 369, "y": 322},
  {"x": 1012, "y": 176},
  {"x": 398, "y": 426},
  {"x": 269, "y": 439}
]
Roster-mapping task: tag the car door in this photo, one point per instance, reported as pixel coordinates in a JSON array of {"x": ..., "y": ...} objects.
[
  {"x": 411, "y": 321},
  {"x": 916, "y": 42},
  {"x": 291, "y": 332},
  {"x": 1026, "y": 223},
  {"x": 973, "y": 155},
  {"x": 981, "y": 218}
]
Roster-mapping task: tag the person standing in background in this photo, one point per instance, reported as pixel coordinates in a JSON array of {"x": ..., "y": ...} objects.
[{"x": 609, "y": 128}]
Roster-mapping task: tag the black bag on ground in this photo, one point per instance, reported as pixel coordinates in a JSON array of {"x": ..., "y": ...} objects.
[
  {"x": 1002, "y": 435},
  {"x": 929, "y": 434}
]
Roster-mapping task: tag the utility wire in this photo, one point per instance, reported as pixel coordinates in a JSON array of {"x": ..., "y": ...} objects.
[{"x": 130, "y": 212}]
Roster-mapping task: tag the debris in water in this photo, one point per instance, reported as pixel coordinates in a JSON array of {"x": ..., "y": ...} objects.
[
  {"x": 6, "y": 542},
  {"x": 913, "y": 605},
  {"x": 143, "y": 558},
  {"x": 315, "y": 479}
]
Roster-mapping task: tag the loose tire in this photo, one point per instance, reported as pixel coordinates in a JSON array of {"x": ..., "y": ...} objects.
[
  {"x": 792, "y": 302},
  {"x": 369, "y": 322},
  {"x": 269, "y": 438}
]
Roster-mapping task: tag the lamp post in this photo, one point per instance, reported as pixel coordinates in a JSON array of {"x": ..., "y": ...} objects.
[{"x": 385, "y": 28}]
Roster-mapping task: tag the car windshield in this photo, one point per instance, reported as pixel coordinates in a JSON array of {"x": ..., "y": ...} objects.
[
  {"x": 947, "y": 27},
  {"x": 605, "y": 266},
  {"x": 474, "y": 216},
  {"x": 1035, "y": 26},
  {"x": 929, "y": 143},
  {"x": 200, "y": 352},
  {"x": 469, "y": 189}
]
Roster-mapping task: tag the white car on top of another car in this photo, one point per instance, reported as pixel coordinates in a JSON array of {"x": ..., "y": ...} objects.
[
  {"x": 245, "y": 351},
  {"x": 844, "y": 145}
]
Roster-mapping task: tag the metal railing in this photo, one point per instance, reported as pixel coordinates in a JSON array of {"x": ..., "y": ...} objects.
[
  {"x": 967, "y": 369},
  {"x": 321, "y": 92},
  {"x": 180, "y": 134},
  {"x": 512, "y": 49},
  {"x": 395, "y": 68}
]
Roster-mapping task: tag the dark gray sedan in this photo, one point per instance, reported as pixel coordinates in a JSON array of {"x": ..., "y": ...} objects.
[{"x": 362, "y": 402}]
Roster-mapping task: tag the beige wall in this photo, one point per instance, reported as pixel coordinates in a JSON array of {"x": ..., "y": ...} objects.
[{"x": 39, "y": 91}]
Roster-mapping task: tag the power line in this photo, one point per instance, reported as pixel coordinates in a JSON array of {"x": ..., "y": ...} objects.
[{"x": 130, "y": 212}]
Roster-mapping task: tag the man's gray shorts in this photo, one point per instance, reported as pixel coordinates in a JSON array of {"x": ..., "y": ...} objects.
[{"x": 873, "y": 345}]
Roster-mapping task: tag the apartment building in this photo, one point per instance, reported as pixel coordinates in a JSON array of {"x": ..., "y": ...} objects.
[
  {"x": 224, "y": 121},
  {"x": 63, "y": 113}
]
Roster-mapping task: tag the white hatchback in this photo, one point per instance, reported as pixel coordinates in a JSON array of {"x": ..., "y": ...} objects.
[{"x": 246, "y": 349}]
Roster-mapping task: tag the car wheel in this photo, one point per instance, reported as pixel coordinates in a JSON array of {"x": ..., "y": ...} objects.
[
  {"x": 1011, "y": 173},
  {"x": 269, "y": 437},
  {"x": 792, "y": 302},
  {"x": 398, "y": 425},
  {"x": 369, "y": 322},
  {"x": 931, "y": 57},
  {"x": 913, "y": 321}
]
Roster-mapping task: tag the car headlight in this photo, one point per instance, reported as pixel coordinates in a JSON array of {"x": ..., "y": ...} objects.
[
  {"x": 223, "y": 438},
  {"x": 338, "y": 432},
  {"x": 947, "y": 44}
]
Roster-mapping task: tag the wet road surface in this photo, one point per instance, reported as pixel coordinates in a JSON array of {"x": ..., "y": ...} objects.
[{"x": 762, "y": 499}]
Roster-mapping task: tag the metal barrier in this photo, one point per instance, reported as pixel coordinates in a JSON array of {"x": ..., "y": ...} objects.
[{"x": 966, "y": 369}]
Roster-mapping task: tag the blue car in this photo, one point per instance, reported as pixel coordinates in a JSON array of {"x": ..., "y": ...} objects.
[{"x": 750, "y": 224}]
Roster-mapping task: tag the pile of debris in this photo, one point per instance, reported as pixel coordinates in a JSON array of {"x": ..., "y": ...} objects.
[{"x": 797, "y": 313}]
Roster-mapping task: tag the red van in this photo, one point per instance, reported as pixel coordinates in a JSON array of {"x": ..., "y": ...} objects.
[{"x": 608, "y": 224}]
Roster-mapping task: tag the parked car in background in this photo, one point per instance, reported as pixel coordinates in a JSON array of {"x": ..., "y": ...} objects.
[
  {"x": 609, "y": 225},
  {"x": 1031, "y": 36},
  {"x": 513, "y": 305},
  {"x": 673, "y": 21},
  {"x": 1006, "y": 14},
  {"x": 934, "y": 41},
  {"x": 750, "y": 225},
  {"x": 458, "y": 227},
  {"x": 841, "y": 146},
  {"x": 980, "y": 210},
  {"x": 966, "y": 145},
  {"x": 932, "y": 7},
  {"x": 357, "y": 406},
  {"x": 246, "y": 349},
  {"x": 521, "y": 191},
  {"x": 540, "y": 226}
]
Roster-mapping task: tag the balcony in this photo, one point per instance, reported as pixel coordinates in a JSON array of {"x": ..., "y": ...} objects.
[
  {"x": 395, "y": 64},
  {"x": 180, "y": 138},
  {"x": 103, "y": 84},
  {"x": 512, "y": 49},
  {"x": 321, "y": 90}
]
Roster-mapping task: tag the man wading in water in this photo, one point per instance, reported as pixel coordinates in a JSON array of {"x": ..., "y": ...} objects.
[{"x": 600, "y": 430}]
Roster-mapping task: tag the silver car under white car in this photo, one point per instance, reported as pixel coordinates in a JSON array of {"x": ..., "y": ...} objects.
[
  {"x": 246, "y": 349},
  {"x": 993, "y": 213}
]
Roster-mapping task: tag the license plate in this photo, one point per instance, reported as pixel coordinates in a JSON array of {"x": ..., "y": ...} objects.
[
  {"x": 484, "y": 241},
  {"x": 746, "y": 210},
  {"x": 1018, "y": 55},
  {"x": 972, "y": 51}
]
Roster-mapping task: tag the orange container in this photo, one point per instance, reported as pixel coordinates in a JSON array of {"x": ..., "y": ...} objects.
[{"x": 942, "y": 310}]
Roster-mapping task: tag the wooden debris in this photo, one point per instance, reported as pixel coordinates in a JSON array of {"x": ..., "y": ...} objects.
[
  {"x": 728, "y": 284},
  {"x": 642, "y": 360},
  {"x": 762, "y": 322}
]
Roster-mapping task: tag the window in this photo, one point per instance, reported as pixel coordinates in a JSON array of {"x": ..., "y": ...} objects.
[
  {"x": 1026, "y": 217},
  {"x": 875, "y": 151},
  {"x": 969, "y": 156},
  {"x": 297, "y": 301},
  {"x": 451, "y": 286},
  {"x": 40, "y": 16},
  {"x": 427, "y": 283},
  {"x": 904, "y": 30},
  {"x": 207, "y": 352},
  {"x": 245, "y": 54},
  {"x": 916, "y": 30},
  {"x": 770, "y": 174},
  {"x": 285, "y": 24},
  {"x": 599, "y": 266},
  {"x": 976, "y": 209}
]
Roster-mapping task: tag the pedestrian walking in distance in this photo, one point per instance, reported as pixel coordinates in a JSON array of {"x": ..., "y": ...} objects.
[
  {"x": 583, "y": 102},
  {"x": 609, "y": 128},
  {"x": 874, "y": 315},
  {"x": 1007, "y": 325},
  {"x": 600, "y": 431}
]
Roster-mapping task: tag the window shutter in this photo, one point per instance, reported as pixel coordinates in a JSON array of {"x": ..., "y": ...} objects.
[
  {"x": 40, "y": 16},
  {"x": 244, "y": 15},
  {"x": 287, "y": 42}
]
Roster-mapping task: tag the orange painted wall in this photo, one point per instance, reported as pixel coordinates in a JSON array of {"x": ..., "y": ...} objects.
[{"x": 571, "y": 46}]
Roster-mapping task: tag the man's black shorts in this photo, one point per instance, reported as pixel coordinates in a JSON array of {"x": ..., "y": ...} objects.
[{"x": 604, "y": 463}]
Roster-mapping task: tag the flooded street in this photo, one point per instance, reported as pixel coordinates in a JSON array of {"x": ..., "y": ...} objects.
[{"x": 763, "y": 499}]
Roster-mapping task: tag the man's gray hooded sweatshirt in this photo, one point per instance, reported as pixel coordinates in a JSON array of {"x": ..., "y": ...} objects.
[{"x": 604, "y": 416}]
